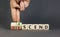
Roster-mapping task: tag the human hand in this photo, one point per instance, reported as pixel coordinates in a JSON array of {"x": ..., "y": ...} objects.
[{"x": 16, "y": 7}]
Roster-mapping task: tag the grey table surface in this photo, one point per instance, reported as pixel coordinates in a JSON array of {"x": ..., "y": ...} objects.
[{"x": 21, "y": 33}]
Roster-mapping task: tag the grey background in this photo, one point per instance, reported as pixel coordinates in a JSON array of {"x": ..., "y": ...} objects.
[{"x": 39, "y": 11}]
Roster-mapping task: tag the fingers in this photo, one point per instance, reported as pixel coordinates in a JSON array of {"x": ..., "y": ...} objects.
[
  {"x": 27, "y": 0},
  {"x": 14, "y": 4},
  {"x": 24, "y": 4},
  {"x": 16, "y": 7},
  {"x": 22, "y": 7},
  {"x": 17, "y": 1},
  {"x": 18, "y": 15},
  {"x": 13, "y": 13}
]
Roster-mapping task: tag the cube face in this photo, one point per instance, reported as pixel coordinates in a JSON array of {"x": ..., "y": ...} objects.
[
  {"x": 18, "y": 25},
  {"x": 13, "y": 27},
  {"x": 18, "y": 28}
]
